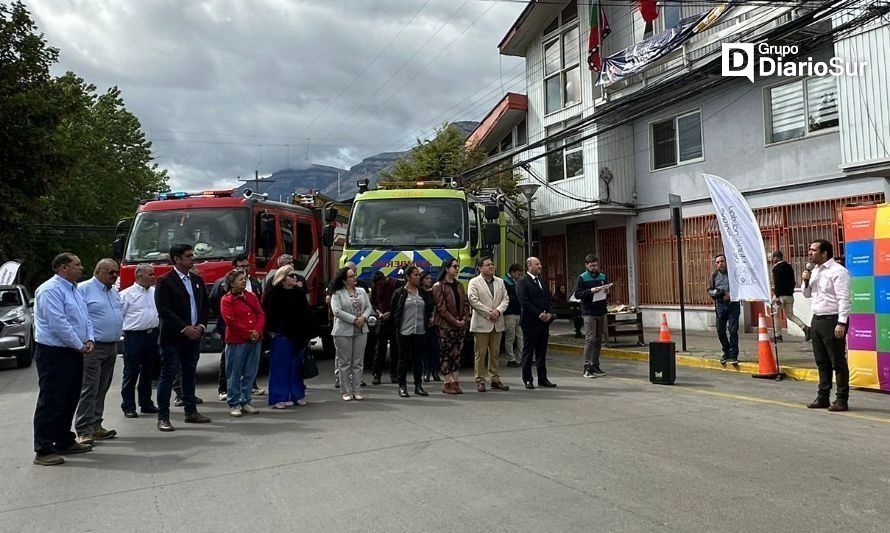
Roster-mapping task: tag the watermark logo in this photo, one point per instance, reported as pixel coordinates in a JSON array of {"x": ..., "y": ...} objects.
[{"x": 745, "y": 60}]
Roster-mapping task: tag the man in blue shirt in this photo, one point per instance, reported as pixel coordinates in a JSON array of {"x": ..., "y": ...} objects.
[
  {"x": 591, "y": 291},
  {"x": 106, "y": 313},
  {"x": 64, "y": 333}
]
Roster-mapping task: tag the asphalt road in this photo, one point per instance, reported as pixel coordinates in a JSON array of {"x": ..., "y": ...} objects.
[{"x": 715, "y": 452}]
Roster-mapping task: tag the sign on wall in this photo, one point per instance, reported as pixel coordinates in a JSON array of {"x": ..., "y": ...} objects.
[{"x": 867, "y": 257}]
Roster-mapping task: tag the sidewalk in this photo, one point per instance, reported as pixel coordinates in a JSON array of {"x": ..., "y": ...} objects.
[{"x": 702, "y": 350}]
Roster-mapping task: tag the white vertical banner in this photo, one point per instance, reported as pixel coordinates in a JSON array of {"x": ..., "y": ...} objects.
[
  {"x": 8, "y": 272},
  {"x": 742, "y": 242}
]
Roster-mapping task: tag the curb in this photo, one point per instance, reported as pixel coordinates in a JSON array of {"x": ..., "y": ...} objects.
[{"x": 799, "y": 374}]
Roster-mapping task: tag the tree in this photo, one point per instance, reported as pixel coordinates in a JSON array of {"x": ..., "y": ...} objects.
[
  {"x": 446, "y": 155},
  {"x": 72, "y": 162},
  {"x": 32, "y": 107}
]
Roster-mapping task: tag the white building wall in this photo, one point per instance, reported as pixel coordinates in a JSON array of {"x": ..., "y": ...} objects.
[{"x": 864, "y": 101}]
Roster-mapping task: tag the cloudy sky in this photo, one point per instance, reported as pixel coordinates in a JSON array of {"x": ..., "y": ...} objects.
[{"x": 223, "y": 87}]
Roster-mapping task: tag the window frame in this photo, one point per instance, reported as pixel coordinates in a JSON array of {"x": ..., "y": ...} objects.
[
  {"x": 578, "y": 147},
  {"x": 768, "y": 117},
  {"x": 675, "y": 119},
  {"x": 558, "y": 35}
]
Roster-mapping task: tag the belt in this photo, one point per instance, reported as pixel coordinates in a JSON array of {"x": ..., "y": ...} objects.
[
  {"x": 824, "y": 317},
  {"x": 140, "y": 332},
  {"x": 106, "y": 343}
]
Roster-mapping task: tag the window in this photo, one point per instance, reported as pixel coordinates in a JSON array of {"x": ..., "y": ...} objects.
[
  {"x": 305, "y": 246},
  {"x": 676, "y": 140},
  {"x": 218, "y": 233},
  {"x": 562, "y": 62},
  {"x": 521, "y": 133},
  {"x": 797, "y": 109},
  {"x": 507, "y": 143},
  {"x": 287, "y": 235},
  {"x": 568, "y": 162},
  {"x": 670, "y": 14}
]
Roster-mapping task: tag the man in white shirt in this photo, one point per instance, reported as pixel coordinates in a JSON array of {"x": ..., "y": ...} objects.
[
  {"x": 828, "y": 284},
  {"x": 140, "y": 342}
]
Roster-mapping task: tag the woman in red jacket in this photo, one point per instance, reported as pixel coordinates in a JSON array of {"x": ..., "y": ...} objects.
[{"x": 245, "y": 320}]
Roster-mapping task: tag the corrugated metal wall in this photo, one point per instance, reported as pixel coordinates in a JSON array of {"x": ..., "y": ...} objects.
[{"x": 864, "y": 101}]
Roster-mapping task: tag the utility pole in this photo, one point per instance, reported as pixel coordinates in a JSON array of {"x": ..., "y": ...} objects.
[{"x": 257, "y": 180}]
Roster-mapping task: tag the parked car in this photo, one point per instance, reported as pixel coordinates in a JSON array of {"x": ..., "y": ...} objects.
[{"x": 16, "y": 325}]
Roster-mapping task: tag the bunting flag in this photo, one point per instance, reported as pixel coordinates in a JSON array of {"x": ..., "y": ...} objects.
[{"x": 599, "y": 30}]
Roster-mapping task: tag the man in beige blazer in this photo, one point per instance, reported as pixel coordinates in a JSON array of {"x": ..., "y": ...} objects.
[{"x": 488, "y": 298}]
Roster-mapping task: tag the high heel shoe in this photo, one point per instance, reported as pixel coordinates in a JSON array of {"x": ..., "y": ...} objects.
[
  {"x": 426, "y": 377},
  {"x": 403, "y": 392},
  {"x": 418, "y": 390},
  {"x": 436, "y": 376}
]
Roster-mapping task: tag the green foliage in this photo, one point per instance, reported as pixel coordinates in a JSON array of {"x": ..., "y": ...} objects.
[
  {"x": 446, "y": 155},
  {"x": 72, "y": 161}
]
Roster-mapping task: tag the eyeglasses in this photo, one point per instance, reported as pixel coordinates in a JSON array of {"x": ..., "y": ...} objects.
[
  {"x": 113, "y": 272},
  {"x": 350, "y": 275},
  {"x": 454, "y": 266}
]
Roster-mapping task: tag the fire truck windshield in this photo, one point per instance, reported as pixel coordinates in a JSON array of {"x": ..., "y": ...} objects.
[
  {"x": 408, "y": 223},
  {"x": 219, "y": 233}
]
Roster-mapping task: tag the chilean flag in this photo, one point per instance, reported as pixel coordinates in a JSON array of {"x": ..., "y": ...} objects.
[{"x": 599, "y": 30}]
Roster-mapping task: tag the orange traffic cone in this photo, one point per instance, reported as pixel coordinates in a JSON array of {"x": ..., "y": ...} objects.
[
  {"x": 766, "y": 359},
  {"x": 664, "y": 334}
]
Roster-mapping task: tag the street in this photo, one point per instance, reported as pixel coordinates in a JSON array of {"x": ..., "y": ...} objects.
[{"x": 716, "y": 451}]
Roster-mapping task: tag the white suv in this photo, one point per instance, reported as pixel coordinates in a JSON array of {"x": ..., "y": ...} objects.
[{"x": 16, "y": 325}]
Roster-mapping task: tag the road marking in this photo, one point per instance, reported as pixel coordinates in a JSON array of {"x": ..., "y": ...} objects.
[{"x": 779, "y": 403}]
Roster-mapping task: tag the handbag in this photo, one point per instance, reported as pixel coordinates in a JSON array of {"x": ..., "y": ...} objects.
[{"x": 309, "y": 368}]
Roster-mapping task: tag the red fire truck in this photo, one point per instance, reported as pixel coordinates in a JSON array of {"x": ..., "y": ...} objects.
[{"x": 221, "y": 225}]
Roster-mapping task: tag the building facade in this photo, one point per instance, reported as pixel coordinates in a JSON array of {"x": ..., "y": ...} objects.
[{"x": 800, "y": 148}]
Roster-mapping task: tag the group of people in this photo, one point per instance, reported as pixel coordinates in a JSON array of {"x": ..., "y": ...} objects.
[
  {"x": 78, "y": 326},
  {"x": 425, "y": 324},
  {"x": 827, "y": 283}
]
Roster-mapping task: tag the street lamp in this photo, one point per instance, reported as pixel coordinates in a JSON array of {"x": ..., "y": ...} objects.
[{"x": 528, "y": 190}]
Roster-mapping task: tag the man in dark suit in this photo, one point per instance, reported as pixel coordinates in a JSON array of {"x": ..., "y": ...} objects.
[
  {"x": 181, "y": 299},
  {"x": 535, "y": 319}
]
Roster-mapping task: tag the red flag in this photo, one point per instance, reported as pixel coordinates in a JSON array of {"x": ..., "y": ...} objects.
[
  {"x": 649, "y": 9},
  {"x": 599, "y": 30}
]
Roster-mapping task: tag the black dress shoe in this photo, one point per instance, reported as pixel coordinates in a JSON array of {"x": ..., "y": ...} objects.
[
  {"x": 436, "y": 376},
  {"x": 818, "y": 403},
  {"x": 164, "y": 424},
  {"x": 403, "y": 392},
  {"x": 529, "y": 385},
  {"x": 546, "y": 383},
  {"x": 196, "y": 418},
  {"x": 418, "y": 390},
  {"x": 150, "y": 410},
  {"x": 426, "y": 377},
  {"x": 130, "y": 414},
  {"x": 376, "y": 380}
]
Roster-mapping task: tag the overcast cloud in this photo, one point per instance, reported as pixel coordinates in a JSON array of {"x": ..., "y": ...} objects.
[{"x": 226, "y": 86}]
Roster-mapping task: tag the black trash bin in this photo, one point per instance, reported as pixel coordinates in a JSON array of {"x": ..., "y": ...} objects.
[{"x": 662, "y": 363}]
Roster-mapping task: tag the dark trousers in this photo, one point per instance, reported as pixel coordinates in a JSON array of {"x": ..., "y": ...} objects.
[
  {"x": 728, "y": 320},
  {"x": 831, "y": 356},
  {"x": 178, "y": 359},
  {"x": 412, "y": 351},
  {"x": 140, "y": 352},
  {"x": 59, "y": 377},
  {"x": 386, "y": 333},
  {"x": 431, "y": 357},
  {"x": 534, "y": 351}
]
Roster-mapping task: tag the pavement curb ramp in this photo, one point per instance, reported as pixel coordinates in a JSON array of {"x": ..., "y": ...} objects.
[{"x": 800, "y": 374}]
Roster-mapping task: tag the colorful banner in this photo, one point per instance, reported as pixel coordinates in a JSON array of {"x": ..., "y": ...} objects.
[{"x": 867, "y": 257}]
